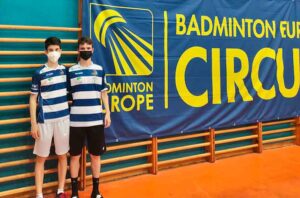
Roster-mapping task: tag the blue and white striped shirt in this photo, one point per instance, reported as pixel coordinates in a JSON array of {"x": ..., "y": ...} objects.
[
  {"x": 51, "y": 86},
  {"x": 86, "y": 86}
]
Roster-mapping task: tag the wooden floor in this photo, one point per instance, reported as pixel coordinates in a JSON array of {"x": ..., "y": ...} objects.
[{"x": 273, "y": 174}]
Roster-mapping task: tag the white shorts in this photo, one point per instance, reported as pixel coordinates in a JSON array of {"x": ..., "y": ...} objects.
[{"x": 60, "y": 130}]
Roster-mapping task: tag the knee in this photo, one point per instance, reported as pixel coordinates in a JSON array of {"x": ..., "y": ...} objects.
[
  {"x": 94, "y": 157},
  {"x": 40, "y": 160},
  {"x": 62, "y": 157},
  {"x": 75, "y": 158}
]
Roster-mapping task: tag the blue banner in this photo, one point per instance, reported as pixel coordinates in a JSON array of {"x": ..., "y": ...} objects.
[{"x": 184, "y": 66}]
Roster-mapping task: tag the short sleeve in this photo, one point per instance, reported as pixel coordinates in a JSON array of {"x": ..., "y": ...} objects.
[
  {"x": 35, "y": 84},
  {"x": 104, "y": 82}
]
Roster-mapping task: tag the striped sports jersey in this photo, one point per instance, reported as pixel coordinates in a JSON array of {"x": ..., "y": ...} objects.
[
  {"x": 86, "y": 86},
  {"x": 51, "y": 86}
]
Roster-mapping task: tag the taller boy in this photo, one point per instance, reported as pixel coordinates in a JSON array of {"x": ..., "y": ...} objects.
[
  {"x": 49, "y": 90},
  {"x": 88, "y": 86}
]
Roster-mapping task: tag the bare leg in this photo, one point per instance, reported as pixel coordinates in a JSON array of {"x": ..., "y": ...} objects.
[
  {"x": 74, "y": 166},
  {"x": 62, "y": 170},
  {"x": 95, "y": 161},
  {"x": 39, "y": 174}
]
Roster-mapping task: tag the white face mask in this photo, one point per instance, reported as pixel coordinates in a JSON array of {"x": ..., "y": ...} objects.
[{"x": 53, "y": 56}]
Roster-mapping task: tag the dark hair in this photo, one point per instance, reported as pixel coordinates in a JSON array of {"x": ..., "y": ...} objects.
[
  {"x": 52, "y": 41},
  {"x": 84, "y": 40}
]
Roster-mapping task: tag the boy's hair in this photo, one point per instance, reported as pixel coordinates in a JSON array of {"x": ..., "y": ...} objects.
[
  {"x": 84, "y": 40},
  {"x": 52, "y": 41}
]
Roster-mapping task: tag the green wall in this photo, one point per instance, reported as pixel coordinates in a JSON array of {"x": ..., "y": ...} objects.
[{"x": 61, "y": 13}]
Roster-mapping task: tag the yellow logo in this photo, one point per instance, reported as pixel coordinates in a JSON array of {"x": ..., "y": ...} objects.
[{"x": 131, "y": 52}]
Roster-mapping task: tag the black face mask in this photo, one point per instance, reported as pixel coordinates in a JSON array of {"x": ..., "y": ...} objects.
[{"x": 85, "y": 54}]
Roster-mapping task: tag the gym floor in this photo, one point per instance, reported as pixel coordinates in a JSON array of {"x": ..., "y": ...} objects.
[{"x": 273, "y": 174}]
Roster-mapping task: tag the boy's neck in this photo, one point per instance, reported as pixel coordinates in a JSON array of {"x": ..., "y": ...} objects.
[
  {"x": 52, "y": 65},
  {"x": 85, "y": 63}
]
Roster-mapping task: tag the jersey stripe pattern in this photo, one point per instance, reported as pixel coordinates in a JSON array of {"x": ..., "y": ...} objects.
[
  {"x": 86, "y": 86},
  {"x": 50, "y": 84}
]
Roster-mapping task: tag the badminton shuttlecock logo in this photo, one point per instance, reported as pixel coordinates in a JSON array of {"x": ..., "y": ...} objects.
[{"x": 131, "y": 54}]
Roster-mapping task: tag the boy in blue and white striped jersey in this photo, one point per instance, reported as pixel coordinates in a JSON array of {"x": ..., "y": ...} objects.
[
  {"x": 49, "y": 112},
  {"x": 88, "y": 86}
]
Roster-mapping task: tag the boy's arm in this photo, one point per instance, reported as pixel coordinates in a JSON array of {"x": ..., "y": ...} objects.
[
  {"x": 104, "y": 97},
  {"x": 33, "y": 105},
  {"x": 35, "y": 88},
  {"x": 107, "y": 120}
]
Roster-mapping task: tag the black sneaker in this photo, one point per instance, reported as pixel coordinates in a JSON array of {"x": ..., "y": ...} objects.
[
  {"x": 96, "y": 195},
  {"x": 74, "y": 196}
]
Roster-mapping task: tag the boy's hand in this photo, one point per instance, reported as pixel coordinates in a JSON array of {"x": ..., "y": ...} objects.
[
  {"x": 35, "y": 131},
  {"x": 107, "y": 120}
]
